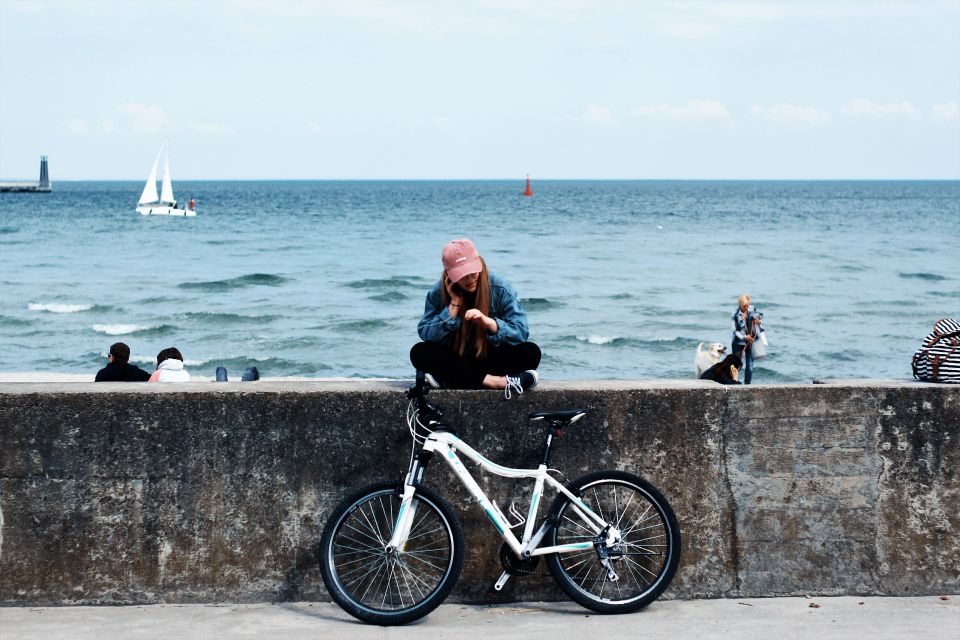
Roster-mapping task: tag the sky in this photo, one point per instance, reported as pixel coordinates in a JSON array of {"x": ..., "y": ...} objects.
[{"x": 481, "y": 89}]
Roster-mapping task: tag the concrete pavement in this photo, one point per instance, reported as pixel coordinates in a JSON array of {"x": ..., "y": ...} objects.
[{"x": 846, "y": 618}]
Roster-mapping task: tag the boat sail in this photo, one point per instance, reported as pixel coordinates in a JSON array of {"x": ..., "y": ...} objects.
[{"x": 164, "y": 204}]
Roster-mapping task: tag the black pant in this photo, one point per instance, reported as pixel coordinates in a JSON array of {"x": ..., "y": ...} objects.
[{"x": 455, "y": 372}]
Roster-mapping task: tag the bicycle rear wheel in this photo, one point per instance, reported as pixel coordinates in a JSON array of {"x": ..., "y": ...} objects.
[
  {"x": 647, "y": 558},
  {"x": 390, "y": 588}
]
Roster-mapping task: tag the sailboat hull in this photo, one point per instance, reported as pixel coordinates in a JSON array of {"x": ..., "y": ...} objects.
[{"x": 162, "y": 210}]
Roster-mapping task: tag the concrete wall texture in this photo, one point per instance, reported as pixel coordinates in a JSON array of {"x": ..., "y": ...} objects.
[{"x": 115, "y": 493}]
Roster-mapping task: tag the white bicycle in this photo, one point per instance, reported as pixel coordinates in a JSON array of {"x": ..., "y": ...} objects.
[{"x": 392, "y": 552}]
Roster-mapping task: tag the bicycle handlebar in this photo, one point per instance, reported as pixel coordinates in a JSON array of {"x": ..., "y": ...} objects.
[{"x": 418, "y": 392}]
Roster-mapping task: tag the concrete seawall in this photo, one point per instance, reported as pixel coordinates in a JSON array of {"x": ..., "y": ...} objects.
[{"x": 202, "y": 492}]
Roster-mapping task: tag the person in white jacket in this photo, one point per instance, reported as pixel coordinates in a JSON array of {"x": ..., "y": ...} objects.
[{"x": 170, "y": 367}]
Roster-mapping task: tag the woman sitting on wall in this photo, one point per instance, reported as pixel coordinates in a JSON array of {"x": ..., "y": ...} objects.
[{"x": 473, "y": 329}]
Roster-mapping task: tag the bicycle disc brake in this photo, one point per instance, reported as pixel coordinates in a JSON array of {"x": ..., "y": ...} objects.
[{"x": 514, "y": 565}]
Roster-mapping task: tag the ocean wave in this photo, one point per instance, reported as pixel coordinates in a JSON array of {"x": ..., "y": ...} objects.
[
  {"x": 389, "y": 296},
  {"x": 932, "y": 277},
  {"x": 225, "y": 318},
  {"x": 539, "y": 304},
  {"x": 157, "y": 300},
  {"x": 152, "y": 360},
  {"x": 8, "y": 230},
  {"x": 361, "y": 326},
  {"x": 847, "y": 355},
  {"x": 133, "y": 329},
  {"x": 59, "y": 307},
  {"x": 386, "y": 283},
  {"x": 7, "y": 321},
  {"x": 248, "y": 280},
  {"x": 620, "y": 341}
]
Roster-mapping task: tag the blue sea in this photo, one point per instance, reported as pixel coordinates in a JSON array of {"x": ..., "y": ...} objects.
[{"x": 621, "y": 279}]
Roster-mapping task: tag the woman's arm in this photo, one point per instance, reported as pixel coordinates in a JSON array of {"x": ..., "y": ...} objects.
[
  {"x": 437, "y": 325},
  {"x": 511, "y": 319},
  {"x": 734, "y": 326}
]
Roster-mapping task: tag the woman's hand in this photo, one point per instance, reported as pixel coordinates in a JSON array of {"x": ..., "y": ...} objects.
[
  {"x": 474, "y": 315},
  {"x": 455, "y": 298}
]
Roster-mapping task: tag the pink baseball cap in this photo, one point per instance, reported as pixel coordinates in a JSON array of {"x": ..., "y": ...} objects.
[{"x": 460, "y": 258}]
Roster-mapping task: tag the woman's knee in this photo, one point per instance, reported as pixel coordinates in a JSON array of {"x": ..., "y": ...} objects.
[
  {"x": 419, "y": 353},
  {"x": 533, "y": 353}
]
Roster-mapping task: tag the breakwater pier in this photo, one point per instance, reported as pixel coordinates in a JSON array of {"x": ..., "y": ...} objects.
[
  {"x": 203, "y": 492},
  {"x": 43, "y": 185}
]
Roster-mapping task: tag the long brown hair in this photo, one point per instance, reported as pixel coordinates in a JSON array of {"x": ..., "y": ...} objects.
[{"x": 471, "y": 334}]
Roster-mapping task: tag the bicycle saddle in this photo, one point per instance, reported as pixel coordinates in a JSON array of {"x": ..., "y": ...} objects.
[{"x": 563, "y": 415}]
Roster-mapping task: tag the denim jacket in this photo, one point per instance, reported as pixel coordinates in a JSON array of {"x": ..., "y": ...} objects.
[
  {"x": 740, "y": 330},
  {"x": 438, "y": 326}
]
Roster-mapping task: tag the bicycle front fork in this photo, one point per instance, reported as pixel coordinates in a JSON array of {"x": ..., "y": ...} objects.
[{"x": 408, "y": 506}]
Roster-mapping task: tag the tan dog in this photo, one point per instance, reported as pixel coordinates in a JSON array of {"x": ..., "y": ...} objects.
[{"x": 706, "y": 359}]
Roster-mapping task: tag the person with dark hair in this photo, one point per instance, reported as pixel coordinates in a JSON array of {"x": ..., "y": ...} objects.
[
  {"x": 170, "y": 367},
  {"x": 118, "y": 367},
  {"x": 473, "y": 328},
  {"x": 725, "y": 371}
]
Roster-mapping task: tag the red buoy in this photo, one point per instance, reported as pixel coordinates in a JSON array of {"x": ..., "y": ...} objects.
[{"x": 528, "y": 191}]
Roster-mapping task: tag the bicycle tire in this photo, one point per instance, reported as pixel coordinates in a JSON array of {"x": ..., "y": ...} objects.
[
  {"x": 651, "y": 543},
  {"x": 383, "y": 589}
]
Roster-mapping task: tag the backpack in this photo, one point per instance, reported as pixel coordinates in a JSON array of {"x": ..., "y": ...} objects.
[{"x": 938, "y": 358}]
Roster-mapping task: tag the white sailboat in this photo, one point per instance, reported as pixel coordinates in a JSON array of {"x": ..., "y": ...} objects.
[{"x": 164, "y": 204}]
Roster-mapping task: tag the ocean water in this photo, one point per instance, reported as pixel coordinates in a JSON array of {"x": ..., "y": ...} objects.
[{"x": 620, "y": 279}]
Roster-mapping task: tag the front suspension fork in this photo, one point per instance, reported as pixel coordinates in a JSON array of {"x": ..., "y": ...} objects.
[{"x": 408, "y": 506}]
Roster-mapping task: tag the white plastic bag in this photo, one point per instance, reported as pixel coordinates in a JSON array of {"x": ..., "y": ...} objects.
[{"x": 759, "y": 347}]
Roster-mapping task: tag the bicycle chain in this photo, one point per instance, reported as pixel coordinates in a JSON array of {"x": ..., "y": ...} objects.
[{"x": 507, "y": 557}]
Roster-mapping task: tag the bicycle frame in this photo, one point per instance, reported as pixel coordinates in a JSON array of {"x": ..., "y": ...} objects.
[{"x": 447, "y": 445}]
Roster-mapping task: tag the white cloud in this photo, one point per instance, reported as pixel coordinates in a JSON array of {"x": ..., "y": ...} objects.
[
  {"x": 210, "y": 128},
  {"x": 146, "y": 118},
  {"x": 693, "y": 110},
  {"x": 949, "y": 112},
  {"x": 862, "y": 107},
  {"x": 78, "y": 127},
  {"x": 598, "y": 114},
  {"x": 593, "y": 114},
  {"x": 106, "y": 125},
  {"x": 791, "y": 114},
  {"x": 441, "y": 122}
]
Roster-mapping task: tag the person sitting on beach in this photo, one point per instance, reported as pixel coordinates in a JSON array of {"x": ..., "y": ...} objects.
[
  {"x": 118, "y": 367},
  {"x": 746, "y": 324},
  {"x": 473, "y": 329},
  {"x": 725, "y": 371},
  {"x": 170, "y": 367}
]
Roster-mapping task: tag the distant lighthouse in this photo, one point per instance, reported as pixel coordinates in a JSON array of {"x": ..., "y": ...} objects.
[{"x": 528, "y": 191}]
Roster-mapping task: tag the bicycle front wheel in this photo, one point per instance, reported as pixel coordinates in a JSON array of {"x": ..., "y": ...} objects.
[
  {"x": 644, "y": 562},
  {"x": 385, "y": 588}
]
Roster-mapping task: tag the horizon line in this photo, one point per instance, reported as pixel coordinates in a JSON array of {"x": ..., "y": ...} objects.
[{"x": 519, "y": 180}]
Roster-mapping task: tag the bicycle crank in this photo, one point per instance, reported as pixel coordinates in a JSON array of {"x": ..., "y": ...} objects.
[{"x": 513, "y": 566}]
